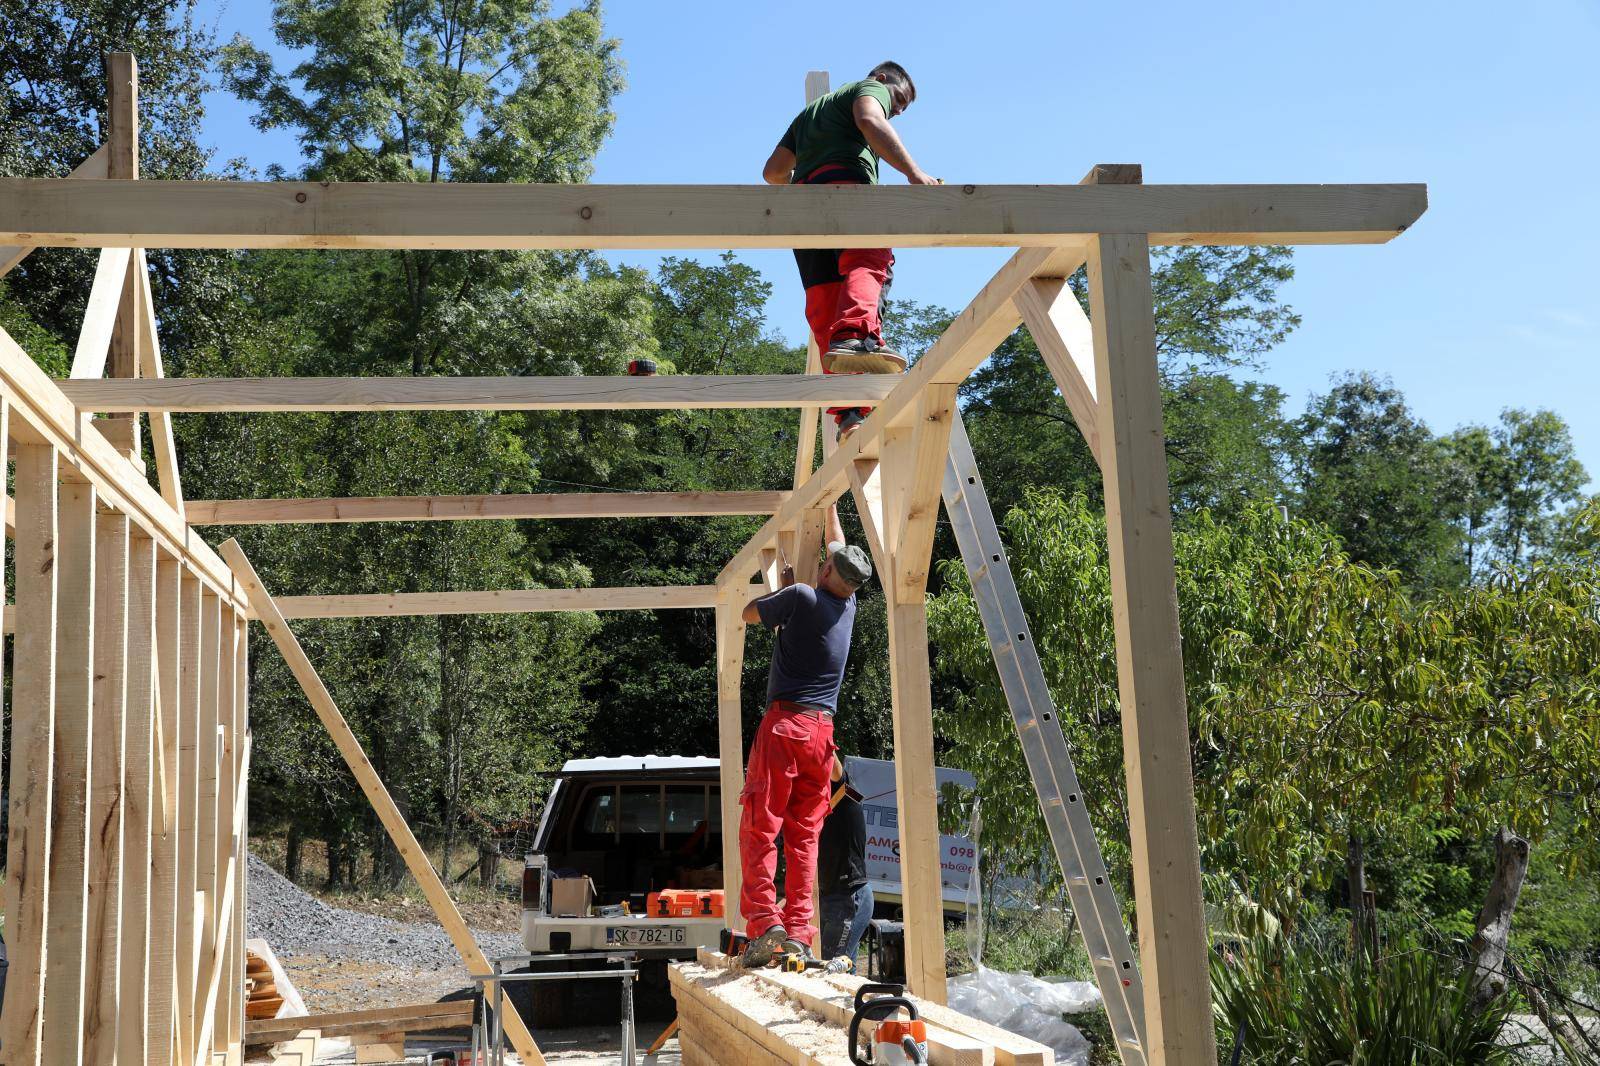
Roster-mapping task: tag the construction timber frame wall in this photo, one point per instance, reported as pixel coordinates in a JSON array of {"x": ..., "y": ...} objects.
[{"x": 128, "y": 697}]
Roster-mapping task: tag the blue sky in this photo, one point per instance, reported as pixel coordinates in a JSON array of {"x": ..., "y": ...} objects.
[{"x": 1488, "y": 302}]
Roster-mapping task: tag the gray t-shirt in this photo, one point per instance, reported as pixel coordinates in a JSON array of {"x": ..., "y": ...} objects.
[{"x": 811, "y": 649}]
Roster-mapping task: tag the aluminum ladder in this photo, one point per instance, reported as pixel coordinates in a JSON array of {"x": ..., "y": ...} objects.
[{"x": 1045, "y": 748}]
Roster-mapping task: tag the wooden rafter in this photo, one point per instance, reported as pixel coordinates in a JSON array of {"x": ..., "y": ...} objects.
[
  {"x": 507, "y": 601},
  {"x": 476, "y": 394},
  {"x": 287, "y": 214},
  {"x": 502, "y": 506}
]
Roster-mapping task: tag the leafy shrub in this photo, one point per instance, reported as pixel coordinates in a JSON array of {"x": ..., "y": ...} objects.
[{"x": 1314, "y": 1002}]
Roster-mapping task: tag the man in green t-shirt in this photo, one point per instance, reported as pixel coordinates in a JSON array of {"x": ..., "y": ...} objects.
[{"x": 838, "y": 140}]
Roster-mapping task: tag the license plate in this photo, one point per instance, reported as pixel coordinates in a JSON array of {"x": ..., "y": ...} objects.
[{"x": 646, "y": 935}]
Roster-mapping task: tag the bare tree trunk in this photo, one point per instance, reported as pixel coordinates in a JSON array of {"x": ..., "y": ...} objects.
[
  {"x": 1494, "y": 919},
  {"x": 488, "y": 866},
  {"x": 1363, "y": 914},
  {"x": 291, "y": 854},
  {"x": 335, "y": 860}
]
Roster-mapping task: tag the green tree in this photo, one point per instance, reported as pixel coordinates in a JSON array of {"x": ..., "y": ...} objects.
[
  {"x": 1374, "y": 473},
  {"x": 1538, "y": 471}
]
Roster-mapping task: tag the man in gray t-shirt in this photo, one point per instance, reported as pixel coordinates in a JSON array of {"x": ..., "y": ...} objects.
[{"x": 791, "y": 761}]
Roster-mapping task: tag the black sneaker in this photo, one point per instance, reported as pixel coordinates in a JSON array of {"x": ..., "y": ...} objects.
[
  {"x": 857, "y": 355},
  {"x": 760, "y": 951},
  {"x": 848, "y": 423}
]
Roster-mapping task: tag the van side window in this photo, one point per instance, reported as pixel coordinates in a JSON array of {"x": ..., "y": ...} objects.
[{"x": 600, "y": 817}]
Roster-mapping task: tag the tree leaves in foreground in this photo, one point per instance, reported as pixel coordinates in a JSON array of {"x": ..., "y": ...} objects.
[{"x": 1323, "y": 700}]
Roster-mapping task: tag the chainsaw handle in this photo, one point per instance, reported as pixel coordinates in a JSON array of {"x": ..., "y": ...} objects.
[
  {"x": 890, "y": 999},
  {"x": 871, "y": 989}
]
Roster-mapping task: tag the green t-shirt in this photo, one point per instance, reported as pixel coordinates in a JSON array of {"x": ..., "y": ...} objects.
[{"x": 826, "y": 131}]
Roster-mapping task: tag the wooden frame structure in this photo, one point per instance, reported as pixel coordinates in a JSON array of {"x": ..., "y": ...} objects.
[{"x": 129, "y": 701}]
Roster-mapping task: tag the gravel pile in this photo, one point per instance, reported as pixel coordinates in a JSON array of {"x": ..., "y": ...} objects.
[{"x": 296, "y": 923}]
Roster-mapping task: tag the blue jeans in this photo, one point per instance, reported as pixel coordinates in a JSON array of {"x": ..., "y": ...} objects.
[{"x": 844, "y": 919}]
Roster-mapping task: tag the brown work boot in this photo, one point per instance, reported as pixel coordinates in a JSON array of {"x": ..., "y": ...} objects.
[
  {"x": 857, "y": 355},
  {"x": 760, "y": 951}
]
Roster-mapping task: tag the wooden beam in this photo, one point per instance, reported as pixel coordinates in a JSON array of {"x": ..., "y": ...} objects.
[
  {"x": 1065, "y": 338},
  {"x": 106, "y": 788},
  {"x": 209, "y": 816},
  {"x": 33, "y": 687},
  {"x": 805, "y": 452},
  {"x": 393, "y": 821},
  {"x": 730, "y": 746},
  {"x": 1161, "y": 814},
  {"x": 42, "y": 412},
  {"x": 100, "y": 315},
  {"x": 93, "y": 167},
  {"x": 289, "y": 214},
  {"x": 170, "y": 715},
  {"x": 139, "y": 784},
  {"x": 502, "y": 506},
  {"x": 500, "y": 601},
  {"x": 418, "y": 1018},
  {"x": 187, "y": 954},
  {"x": 924, "y": 479},
  {"x": 65, "y": 939},
  {"x": 122, "y": 140},
  {"x": 478, "y": 393},
  {"x": 150, "y": 366}
]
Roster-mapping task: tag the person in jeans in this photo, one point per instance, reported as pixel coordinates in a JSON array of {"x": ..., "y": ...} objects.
[
  {"x": 791, "y": 761},
  {"x": 837, "y": 140},
  {"x": 842, "y": 871}
]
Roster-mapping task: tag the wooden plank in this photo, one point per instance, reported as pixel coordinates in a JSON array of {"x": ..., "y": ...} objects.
[
  {"x": 713, "y": 391},
  {"x": 187, "y": 955},
  {"x": 409, "y": 1018},
  {"x": 164, "y": 841},
  {"x": 122, "y": 142},
  {"x": 970, "y": 338},
  {"x": 32, "y": 743},
  {"x": 212, "y": 808},
  {"x": 924, "y": 478},
  {"x": 506, "y": 505},
  {"x": 288, "y": 214},
  {"x": 100, "y": 316},
  {"x": 227, "y": 852},
  {"x": 103, "y": 961},
  {"x": 161, "y": 439},
  {"x": 405, "y": 842},
  {"x": 945, "y": 1047},
  {"x": 1066, "y": 341},
  {"x": 808, "y": 546},
  {"x": 65, "y": 937},
  {"x": 721, "y": 1042},
  {"x": 730, "y": 749},
  {"x": 1161, "y": 812},
  {"x": 93, "y": 167},
  {"x": 500, "y": 601},
  {"x": 241, "y": 713},
  {"x": 139, "y": 784},
  {"x": 39, "y": 409},
  {"x": 209, "y": 1006},
  {"x": 384, "y": 1047}
]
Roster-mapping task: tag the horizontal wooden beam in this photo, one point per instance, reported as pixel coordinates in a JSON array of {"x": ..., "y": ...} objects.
[
  {"x": 506, "y": 601},
  {"x": 506, "y": 505},
  {"x": 93, "y": 167},
  {"x": 117, "y": 396},
  {"x": 285, "y": 214}
]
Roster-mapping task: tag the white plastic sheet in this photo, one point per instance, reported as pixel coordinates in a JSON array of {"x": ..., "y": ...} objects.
[{"x": 1029, "y": 1006}]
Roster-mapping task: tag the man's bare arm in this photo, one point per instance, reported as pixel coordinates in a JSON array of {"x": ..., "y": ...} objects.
[
  {"x": 874, "y": 126},
  {"x": 835, "y": 529},
  {"x": 780, "y": 164}
]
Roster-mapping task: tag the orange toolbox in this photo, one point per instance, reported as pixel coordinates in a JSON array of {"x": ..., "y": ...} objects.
[{"x": 685, "y": 903}]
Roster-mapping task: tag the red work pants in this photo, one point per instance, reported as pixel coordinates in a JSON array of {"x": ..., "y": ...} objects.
[
  {"x": 845, "y": 287},
  {"x": 785, "y": 790}
]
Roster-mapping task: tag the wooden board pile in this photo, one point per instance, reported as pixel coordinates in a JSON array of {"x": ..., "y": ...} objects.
[{"x": 730, "y": 1016}]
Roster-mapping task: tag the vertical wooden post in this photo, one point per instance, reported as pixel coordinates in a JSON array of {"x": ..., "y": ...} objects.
[
  {"x": 188, "y": 934},
  {"x": 33, "y": 684},
  {"x": 62, "y": 1038},
  {"x": 807, "y": 560},
  {"x": 122, "y": 162},
  {"x": 104, "y": 937},
  {"x": 227, "y": 784},
  {"x": 208, "y": 885},
  {"x": 730, "y": 745},
  {"x": 241, "y": 718},
  {"x": 164, "y": 950},
  {"x": 913, "y": 475},
  {"x": 133, "y": 1013},
  {"x": 1155, "y": 722}
]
